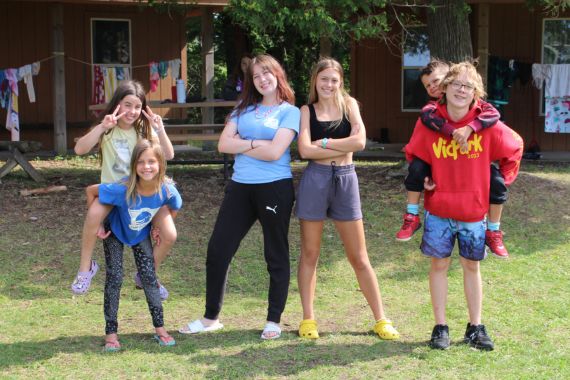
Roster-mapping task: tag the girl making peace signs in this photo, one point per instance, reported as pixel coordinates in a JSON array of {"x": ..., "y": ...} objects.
[{"x": 127, "y": 120}]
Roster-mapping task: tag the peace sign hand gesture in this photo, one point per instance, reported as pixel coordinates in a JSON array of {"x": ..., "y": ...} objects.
[
  {"x": 110, "y": 121},
  {"x": 154, "y": 120}
]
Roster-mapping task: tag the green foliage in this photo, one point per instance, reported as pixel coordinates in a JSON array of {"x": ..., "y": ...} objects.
[
  {"x": 550, "y": 7},
  {"x": 338, "y": 20}
]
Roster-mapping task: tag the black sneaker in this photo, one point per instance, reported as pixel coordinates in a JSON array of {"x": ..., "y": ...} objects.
[
  {"x": 440, "y": 337},
  {"x": 477, "y": 337}
]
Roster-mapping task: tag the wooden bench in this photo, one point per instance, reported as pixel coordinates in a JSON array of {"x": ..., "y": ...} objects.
[
  {"x": 15, "y": 157},
  {"x": 184, "y": 133}
]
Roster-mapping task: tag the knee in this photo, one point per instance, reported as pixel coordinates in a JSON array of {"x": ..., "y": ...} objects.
[
  {"x": 417, "y": 171},
  {"x": 115, "y": 278},
  {"x": 310, "y": 256},
  {"x": 470, "y": 266},
  {"x": 168, "y": 236},
  {"x": 148, "y": 277},
  {"x": 439, "y": 265},
  {"x": 360, "y": 262}
]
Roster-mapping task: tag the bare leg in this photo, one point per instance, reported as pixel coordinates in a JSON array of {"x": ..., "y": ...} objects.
[
  {"x": 311, "y": 233},
  {"x": 352, "y": 236},
  {"x": 438, "y": 288},
  {"x": 495, "y": 212},
  {"x": 414, "y": 197},
  {"x": 473, "y": 289},
  {"x": 167, "y": 230},
  {"x": 95, "y": 216}
]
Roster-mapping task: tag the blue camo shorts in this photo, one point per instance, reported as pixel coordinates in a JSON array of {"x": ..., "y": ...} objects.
[
  {"x": 440, "y": 234},
  {"x": 328, "y": 191}
]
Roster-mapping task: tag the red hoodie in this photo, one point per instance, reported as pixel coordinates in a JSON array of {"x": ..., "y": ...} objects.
[{"x": 463, "y": 178}]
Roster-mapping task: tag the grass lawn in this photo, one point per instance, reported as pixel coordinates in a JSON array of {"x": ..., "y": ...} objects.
[{"x": 48, "y": 333}]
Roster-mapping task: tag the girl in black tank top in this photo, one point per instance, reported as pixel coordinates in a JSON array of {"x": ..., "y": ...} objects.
[
  {"x": 322, "y": 129},
  {"x": 329, "y": 190}
]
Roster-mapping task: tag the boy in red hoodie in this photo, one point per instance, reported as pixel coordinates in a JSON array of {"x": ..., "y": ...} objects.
[
  {"x": 431, "y": 77},
  {"x": 459, "y": 196}
]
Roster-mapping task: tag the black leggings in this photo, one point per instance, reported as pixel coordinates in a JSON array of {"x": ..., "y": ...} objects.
[
  {"x": 144, "y": 261},
  {"x": 243, "y": 204},
  {"x": 419, "y": 169}
]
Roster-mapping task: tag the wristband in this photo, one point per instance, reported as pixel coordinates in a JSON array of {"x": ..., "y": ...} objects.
[
  {"x": 252, "y": 140},
  {"x": 324, "y": 143}
]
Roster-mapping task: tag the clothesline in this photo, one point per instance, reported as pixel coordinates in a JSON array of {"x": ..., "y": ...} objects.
[{"x": 84, "y": 62}]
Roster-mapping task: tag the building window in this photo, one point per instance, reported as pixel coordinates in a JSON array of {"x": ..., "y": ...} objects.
[
  {"x": 415, "y": 56},
  {"x": 555, "y": 45},
  {"x": 111, "y": 42}
]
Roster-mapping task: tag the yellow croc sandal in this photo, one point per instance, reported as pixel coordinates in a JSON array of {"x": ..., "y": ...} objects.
[
  {"x": 385, "y": 329},
  {"x": 308, "y": 329}
]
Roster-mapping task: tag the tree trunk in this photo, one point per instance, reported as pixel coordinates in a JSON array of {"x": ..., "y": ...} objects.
[{"x": 448, "y": 31}]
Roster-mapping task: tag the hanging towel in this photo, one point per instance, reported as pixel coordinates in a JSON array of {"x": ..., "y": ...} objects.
[
  {"x": 25, "y": 73},
  {"x": 540, "y": 74},
  {"x": 110, "y": 82},
  {"x": 122, "y": 73},
  {"x": 163, "y": 69},
  {"x": 4, "y": 90},
  {"x": 557, "y": 115},
  {"x": 98, "y": 86},
  {"x": 175, "y": 68},
  {"x": 12, "y": 117},
  {"x": 154, "y": 77},
  {"x": 559, "y": 83},
  {"x": 35, "y": 68}
]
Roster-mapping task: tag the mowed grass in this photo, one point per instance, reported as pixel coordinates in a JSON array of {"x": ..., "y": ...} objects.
[{"x": 48, "y": 333}]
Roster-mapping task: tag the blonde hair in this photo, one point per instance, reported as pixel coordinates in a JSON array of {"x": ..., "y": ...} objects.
[
  {"x": 131, "y": 182},
  {"x": 474, "y": 78},
  {"x": 341, "y": 96}
]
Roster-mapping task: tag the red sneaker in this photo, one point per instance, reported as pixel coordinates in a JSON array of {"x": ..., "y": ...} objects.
[
  {"x": 494, "y": 240},
  {"x": 411, "y": 225}
]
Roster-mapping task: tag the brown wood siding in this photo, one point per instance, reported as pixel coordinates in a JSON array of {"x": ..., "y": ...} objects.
[
  {"x": 376, "y": 84},
  {"x": 28, "y": 39},
  {"x": 515, "y": 33}
]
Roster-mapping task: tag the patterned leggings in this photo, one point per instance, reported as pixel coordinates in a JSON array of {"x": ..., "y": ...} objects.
[{"x": 144, "y": 261}]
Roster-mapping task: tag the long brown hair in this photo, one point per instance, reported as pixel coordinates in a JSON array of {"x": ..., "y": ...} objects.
[
  {"x": 251, "y": 97},
  {"x": 125, "y": 88},
  {"x": 131, "y": 182},
  {"x": 341, "y": 97}
]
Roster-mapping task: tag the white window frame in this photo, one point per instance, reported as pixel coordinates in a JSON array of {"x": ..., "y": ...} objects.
[
  {"x": 544, "y": 20},
  {"x": 403, "y": 68}
]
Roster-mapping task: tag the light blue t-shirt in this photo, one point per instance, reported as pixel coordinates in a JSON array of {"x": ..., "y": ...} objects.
[
  {"x": 130, "y": 221},
  {"x": 263, "y": 125}
]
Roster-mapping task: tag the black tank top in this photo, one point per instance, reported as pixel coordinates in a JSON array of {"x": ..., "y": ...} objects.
[{"x": 321, "y": 129}]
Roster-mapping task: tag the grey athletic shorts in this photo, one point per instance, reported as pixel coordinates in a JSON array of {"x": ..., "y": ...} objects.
[{"x": 328, "y": 191}]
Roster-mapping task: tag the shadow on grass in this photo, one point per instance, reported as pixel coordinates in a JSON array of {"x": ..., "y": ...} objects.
[{"x": 283, "y": 357}]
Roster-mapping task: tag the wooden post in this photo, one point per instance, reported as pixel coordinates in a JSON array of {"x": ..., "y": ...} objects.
[
  {"x": 59, "y": 119},
  {"x": 207, "y": 31},
  {"x": 483, "y": 39}
]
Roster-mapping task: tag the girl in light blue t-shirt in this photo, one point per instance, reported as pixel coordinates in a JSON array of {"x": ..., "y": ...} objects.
[{"x": 259, "y": 132}]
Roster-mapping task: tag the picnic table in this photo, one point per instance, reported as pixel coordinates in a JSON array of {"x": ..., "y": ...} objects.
[
  {"x": 16, "y": 157},
  {"x": 184, "y": 133}
]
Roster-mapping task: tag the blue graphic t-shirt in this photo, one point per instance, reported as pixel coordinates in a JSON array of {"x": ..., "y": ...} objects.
[
  {"x": 262, "y": 123},
  {"x": 130, "y": 221}
]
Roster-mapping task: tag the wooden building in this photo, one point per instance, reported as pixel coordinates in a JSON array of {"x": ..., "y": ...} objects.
[
  {"x": 501, "y": 28},
  {"x": 61, "y": 35}
]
